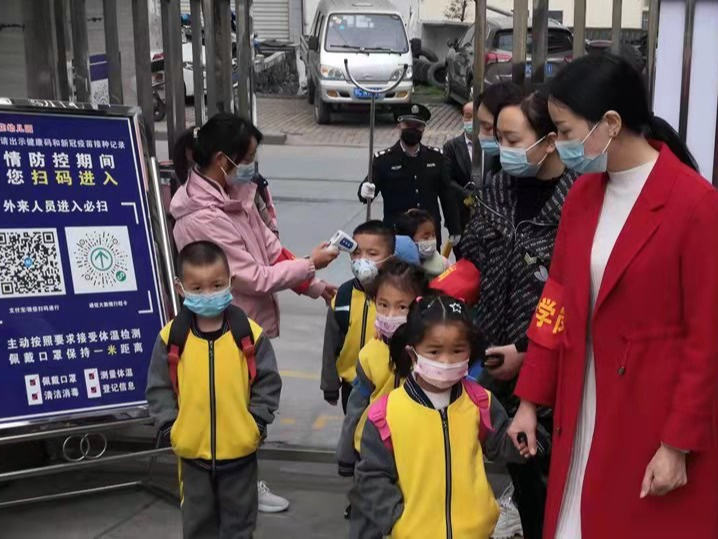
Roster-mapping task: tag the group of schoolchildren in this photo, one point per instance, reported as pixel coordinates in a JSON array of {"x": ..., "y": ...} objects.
[{"x": 396, "y": 353}]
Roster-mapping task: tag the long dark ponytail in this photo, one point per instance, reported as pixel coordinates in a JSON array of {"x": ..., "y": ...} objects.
[
  {"x": 424, "y": 313},
  {"x": 592, "y": 85}
]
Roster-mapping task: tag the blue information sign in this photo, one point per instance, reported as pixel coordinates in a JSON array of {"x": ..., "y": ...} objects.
[{"x": 80, "y": 304}]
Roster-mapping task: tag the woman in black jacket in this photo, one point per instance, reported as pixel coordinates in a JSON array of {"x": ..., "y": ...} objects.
[{"x": 510, "y": 240}]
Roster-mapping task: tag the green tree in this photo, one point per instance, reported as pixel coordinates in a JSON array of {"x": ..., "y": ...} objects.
[{"x": 456, "y": 10}]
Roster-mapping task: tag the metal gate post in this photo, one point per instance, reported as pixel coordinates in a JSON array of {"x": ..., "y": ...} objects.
[
  {"x": 579, "y": 28},
  {"x": 686, "y": 71},
  {"x": 616, "y": 26},
  {"x": 210, "y": 54},
  {"x": 112, "y": 46},
  {"x": 244, "y": 60},
  {"x": 60, "y": 7},
  {"x": 143, "y": 73},
  {"x": 198, "y": 71},
  {"x": 521, "y": 21},
  {"x": 80, "y": 51},
  {"x": 174, "y": 83},
  {"x": 654, "y": 13},
  {"x": 223, "y": 68},
  {"x": 478, "y": 87},
  {"x": 539, "y": 41},
  {"x": 40, "y": 67}
]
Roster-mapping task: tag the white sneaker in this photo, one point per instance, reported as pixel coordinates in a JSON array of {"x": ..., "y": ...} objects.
[
  {"x": 509, "y": 524},
  {"x": 268, "y": 502}
]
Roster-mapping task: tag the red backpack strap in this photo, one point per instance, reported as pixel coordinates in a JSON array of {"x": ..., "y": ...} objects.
[
  {"x": 244, "y": 338},
  {"x": 179, "y": 331},
  {"x": 480, "y": 397},
  {"x": 377, "y": 415}
]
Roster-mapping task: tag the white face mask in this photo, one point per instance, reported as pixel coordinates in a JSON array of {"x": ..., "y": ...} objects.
[
  {"x": 441, "y": 375},
  {"x": 427, "y": 248}
]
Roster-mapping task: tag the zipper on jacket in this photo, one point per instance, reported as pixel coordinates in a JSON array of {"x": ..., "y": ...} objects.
[
  {"x": 363, "y": 324},
  {"x": 212, "y": 410},
  {"x": 447, "y": 463}
]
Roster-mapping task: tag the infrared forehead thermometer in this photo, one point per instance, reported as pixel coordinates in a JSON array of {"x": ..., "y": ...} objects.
[{"x": 343, "y": 241}]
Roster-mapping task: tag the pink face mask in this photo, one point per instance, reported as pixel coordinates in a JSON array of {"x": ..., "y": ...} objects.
[
  {"x": 386, "y": 326},
  {"x": 441, "y": 375}
]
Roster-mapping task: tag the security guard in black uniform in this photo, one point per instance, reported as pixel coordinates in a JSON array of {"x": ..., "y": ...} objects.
[{"x": 412, "y": 175}]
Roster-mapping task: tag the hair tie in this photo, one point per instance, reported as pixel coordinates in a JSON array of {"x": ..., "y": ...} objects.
[
  {"x": 195, "y": 132},
  {"x": 419, "y": 298}
]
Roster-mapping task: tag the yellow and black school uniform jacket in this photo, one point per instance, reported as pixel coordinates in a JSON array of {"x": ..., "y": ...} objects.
[
  {"x": 375, "y": 378},
  {"x": 217, "y": 414},
  {"x": 350, "y": 325},
  {"x": 432, "y": 483}
]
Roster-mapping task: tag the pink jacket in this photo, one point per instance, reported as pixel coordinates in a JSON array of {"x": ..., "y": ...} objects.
[{"x": 204, "y": 211}]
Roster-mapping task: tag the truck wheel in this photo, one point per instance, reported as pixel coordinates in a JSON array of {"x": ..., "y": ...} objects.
[
  {"x": 322, "y": 113},
  {"x": 429, "y": 55},
  {"x": 310, "y": 91}
]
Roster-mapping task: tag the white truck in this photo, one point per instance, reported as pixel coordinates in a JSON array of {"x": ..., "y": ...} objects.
[{"x": 371, "y": 36}]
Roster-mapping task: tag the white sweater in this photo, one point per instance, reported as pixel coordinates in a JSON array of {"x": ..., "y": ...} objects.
[{"x": 622, "y": 191}]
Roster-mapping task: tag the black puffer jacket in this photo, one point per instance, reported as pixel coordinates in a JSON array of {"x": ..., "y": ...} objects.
[{"x": 514, "y": 261}]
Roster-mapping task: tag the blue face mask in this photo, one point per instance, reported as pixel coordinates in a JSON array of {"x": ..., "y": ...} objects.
[
  {"x": 515, "y": 162},
  {"x": 208, "y": 305},
  {"x": 573, "y": 155},
  {"x": 489, "y": 145},
  {"x": 242, "y": 173},
  {"x": 469, "y": 127}
]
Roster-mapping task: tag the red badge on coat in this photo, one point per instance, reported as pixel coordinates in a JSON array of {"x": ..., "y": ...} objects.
[
  {"x": 460, "y": 281},
  {"x": 548, "y": 322}
]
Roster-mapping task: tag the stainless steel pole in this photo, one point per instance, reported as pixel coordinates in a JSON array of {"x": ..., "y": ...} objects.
[
  {"x": 164, "y": 236},
  {"x": 80, "y": 51},
  {"x": 60, "y": 27},
  {"x": 370, "y": 174},
  {"x": 686, "y": 70},
  {"x": 40, "y": 66},
  {"x": 112, "y": 47},
  {"x": 223, "y": 30},
  {"x": 654, "y": 12}
]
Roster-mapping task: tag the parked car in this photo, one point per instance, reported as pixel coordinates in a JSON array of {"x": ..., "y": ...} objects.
[
  {"x": 371, "y": 36},
  {"x": 634, "y": 52},
  {"x": 499, "y": 46}
]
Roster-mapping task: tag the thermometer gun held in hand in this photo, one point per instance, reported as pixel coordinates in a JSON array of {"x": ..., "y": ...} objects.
[{"x": 343, "y": 242}]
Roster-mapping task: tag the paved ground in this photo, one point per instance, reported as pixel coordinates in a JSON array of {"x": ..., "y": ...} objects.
[{"x": 294, "y": 117}]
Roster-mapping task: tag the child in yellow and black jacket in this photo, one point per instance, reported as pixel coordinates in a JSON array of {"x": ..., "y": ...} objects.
[
  {"x": 395, "y": 289},
  {"x": 421, "y": 472},
  {"x": 350, "y": 319},
  {"x": 213, "y": 387}
]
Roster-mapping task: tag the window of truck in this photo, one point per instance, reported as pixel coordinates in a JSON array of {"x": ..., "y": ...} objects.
[{"x": 371, "y": 32}]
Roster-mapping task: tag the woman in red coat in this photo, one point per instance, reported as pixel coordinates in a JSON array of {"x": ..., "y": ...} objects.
[{"x": 624, "y": 341}]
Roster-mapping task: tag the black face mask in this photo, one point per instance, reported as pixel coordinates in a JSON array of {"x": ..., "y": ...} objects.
[{"x": 411, "y": 136}]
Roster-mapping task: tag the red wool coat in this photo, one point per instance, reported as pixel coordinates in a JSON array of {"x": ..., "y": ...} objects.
[{"x": 655, "y": 338}]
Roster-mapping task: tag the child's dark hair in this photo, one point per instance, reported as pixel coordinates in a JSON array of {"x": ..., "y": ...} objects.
[
  {"x": 200, "y": 253},
  {"x": 424, "y": 313},
  {"x": 402, "y": 276},
  {"x": 408, "y": 223},
  {"x": 377, "y": 228},
  {"x": 224, "y": 132}
]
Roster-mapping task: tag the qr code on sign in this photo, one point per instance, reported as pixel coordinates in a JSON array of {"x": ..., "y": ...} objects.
[{"x": 30, "y": 263}]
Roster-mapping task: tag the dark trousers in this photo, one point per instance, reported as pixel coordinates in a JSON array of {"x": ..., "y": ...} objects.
[
  {"x": 346, "y": 390},
  {"x": 224, "y": 507},
  {"x": 529, "y": 496}
]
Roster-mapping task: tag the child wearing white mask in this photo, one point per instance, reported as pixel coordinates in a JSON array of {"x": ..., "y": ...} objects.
[
  {"x": 430, "y": 431},
  {"x": 420, "y": 226}
]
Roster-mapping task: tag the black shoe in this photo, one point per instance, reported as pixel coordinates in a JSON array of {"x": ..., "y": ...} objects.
[{"x": 348, "y": 512}]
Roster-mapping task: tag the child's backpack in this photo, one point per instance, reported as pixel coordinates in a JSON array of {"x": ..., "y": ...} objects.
[
  {"x": 477, "y": 394},
  {"x": 238, "y": 325},
  {"x": 342, "y": 306}
]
